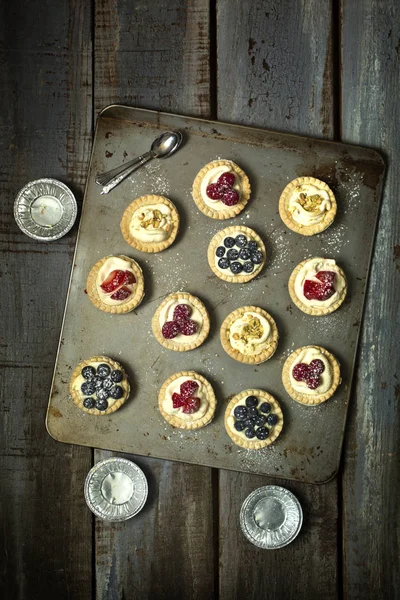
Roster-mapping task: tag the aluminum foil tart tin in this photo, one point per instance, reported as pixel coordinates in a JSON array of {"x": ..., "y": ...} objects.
[
  {"x": 115, "y": 489},
  {"x": 45, "y": 209},
  {"x": 271, "y": 517}
]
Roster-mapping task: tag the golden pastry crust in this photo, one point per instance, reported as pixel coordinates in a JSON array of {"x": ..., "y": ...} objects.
[
  {"x": 150, "y": 247},
  {"x": 78, "y": 398},
  {"x": 287, "y": 217},
  {"x": 231, "y": 211},
  {"x": 217, "y": 241},
  {"x": 254, "y": 444},
  {"x": 133, "y": 301},
  {"x": 271, "y": 344},
  {"x": 181, "y": 423},
  {"x": 314, "y": 310},
  {"x": 171, "y": 344},
  {"x": 309, "y": 399}
]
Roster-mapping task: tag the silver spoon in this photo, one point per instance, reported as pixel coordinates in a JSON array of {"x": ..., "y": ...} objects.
[{"x": 162, "y": 147}]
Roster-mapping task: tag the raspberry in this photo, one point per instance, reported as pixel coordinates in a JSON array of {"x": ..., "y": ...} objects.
[
  {"x": 187, "y": 327},
  {"x": 214, "y": 191},
  {"x": 170, "y": 329},
  {"x": 129, "y": 278},
  {"x": 122, "y": 294},
  {"x": 316, "y": 367},
  {"x": 191, "y": 406},
  {"x": 182, "y": 312},
  {"x": 300, "y": 372},
  {"x": 317, "y": 291},
  {"x": 177, "y": 400},
  {"x": 188, "y": 388},
  {"x": 226, "y": 179},
  {"x": 230, "y": 198},
  {"x": 313, "y": 381},
  {"x": 326, "y": 276}
]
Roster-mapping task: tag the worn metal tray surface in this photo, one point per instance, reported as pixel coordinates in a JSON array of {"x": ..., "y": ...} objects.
[{"x": 309, "y": 447}]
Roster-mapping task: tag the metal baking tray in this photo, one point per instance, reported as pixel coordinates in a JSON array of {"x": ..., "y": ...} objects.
[{"x": 310, "y": 445}]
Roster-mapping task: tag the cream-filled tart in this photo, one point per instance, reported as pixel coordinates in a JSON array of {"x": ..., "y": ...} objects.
[
  {"x": 181, "y": 322},
  {"x": 99, "y": 385},
  {"x": 311, "y": 375},
  {"x": 318, "y": 286},
  {"x": 307, "y": 206},
  {"x": 221, "y": 189},
  {"x": 187, "y": 400},
  {"x": 253, "y": 419},
  {"x": 150, "y": 223},
  {"x": 115, "y": 284},
  {"x": 236, "y": 254},
  {"x": 249, "y": 335}
]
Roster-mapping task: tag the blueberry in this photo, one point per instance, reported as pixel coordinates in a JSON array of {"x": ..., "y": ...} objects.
[
  {"x": 239, "y": 425},
  {"x": 251, "y": 401},
  {"x": 88, "y": 388},
  {"x": 116, "y": 392},
  {"x": 262, "y": 433},
  {"x": 101, "y": 404},
  {"x": 88, "y": 402},
  {"x": 236, "y": 268},
  {"x": 232, "y": 254},
  {"x": 240, "y": 412},
  {"x": 116, "y": 376},
  {"x": 229, "y": 242},
  {"x": 252, "y": 246},
  {"x": 98, "y": 382},
  {"x": 245, "y": 254},
  {"x": 249, "y": 433},
  {"x": 272, "y": 419},
  {"x": 261, "y": 420},
  {"x": 257, "y": 257},
  {"x": 252, "y": 411},
  {"x": 248, "y": 267},
  {"x": 223, "y": 263},
  {"x": 103, "y": 370},
  {"x": 88, "y": 372},
  {"x": 102, "y": 394},
  {"x": 250, "y": 421},
  {"x": 265, "y": 407},
  {"x": 241, "y": 240},
  {"x": 107, "y": 383},
  {"x": 220, "y": 251}
]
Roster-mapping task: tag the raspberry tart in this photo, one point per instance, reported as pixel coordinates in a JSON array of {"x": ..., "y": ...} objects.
[
  {"x": 311, "y": 375},
  {"x": 150, "y": 223},
  {"x": 187, "y": 400},
  {"x": 181, "y": 322},
  {"x": 253, "y": 419},
  {"x": 249, "y": 335},
  {"x": 99, "y": 386},
  {"x": 236, "y": 254},
  {"x": 221, "y": 189},
  {"x": 115, "y": 284},
  {"x": 318, "y": 286},
  {"x": 307, "y": 206}
]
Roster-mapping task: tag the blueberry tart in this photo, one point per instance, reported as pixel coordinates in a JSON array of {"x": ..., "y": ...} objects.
[
  {"x": 221, "y": 189},
  {"x": 253, "y": 419},
  {"x": 311, "y": 375},
  {"x": 150, "y": 223},
  {"x": 187, "y": 400},
  {"x": 99, "y": 386},
  {"x": 236, "y": 254}
]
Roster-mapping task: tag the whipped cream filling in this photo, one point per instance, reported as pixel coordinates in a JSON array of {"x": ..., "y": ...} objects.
[
  {"x": 306, "y": 356},
  {"x": 167, "y": 314},
  {"x": 249, "y": 334},
  {"x": 114, "y": 263},
  {"x": 151, "y": 223},
  {"x": 304, "y": 206},
  {"x": 228, "y": 271},
  {"x": 174, "y": 388},
  {"x": 231, "y": 421},
  {"x": 308, "y": 271},
  {"x": 212, "y": 176},
  {"x": 79, "y": 380}
]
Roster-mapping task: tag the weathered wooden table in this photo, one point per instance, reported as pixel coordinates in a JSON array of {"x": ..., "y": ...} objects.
[{"x": 324, "y": 68}]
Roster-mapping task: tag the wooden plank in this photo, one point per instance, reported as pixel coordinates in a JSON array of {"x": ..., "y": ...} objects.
[
  {"x": 275, "y": 70},
  {"x": 156, "y": 56},
  {"x": 45, "y": 127},
  {"x": 371, "y": 479}
]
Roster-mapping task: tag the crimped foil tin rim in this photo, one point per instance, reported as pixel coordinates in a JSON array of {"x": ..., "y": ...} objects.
[
  {"x": 25, "y": 199},
  {"x": 280, "y": 537},
  {"x": 97, "y": 503}
]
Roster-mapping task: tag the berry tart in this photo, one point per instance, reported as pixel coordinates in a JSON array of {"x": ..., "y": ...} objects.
[
  {"x": 311, "y": 375},
  {"x": 236, "y": 254},
  {"x": 115, "y": 284},
  {"x": 181, "y": 322},
  {"x": 249, "y": 335},
  {"x": 187, "y": 400},
  {"x": 253, "y": 419},
  {"x": 318, "y": 286},
  {"x": 221, "y": 189},
  {"x": 150, "y": 223},
  {"x": 99, "y": 386},
  {"x": 307, "y": 206}
]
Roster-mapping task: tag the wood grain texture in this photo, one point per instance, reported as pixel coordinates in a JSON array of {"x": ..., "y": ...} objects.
[
  {"x": 275, "y": 71},
  {"x": 45, "y": 127},
  {"x": 371, "y": 479},
  {"x": 156, "y": 56}
]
